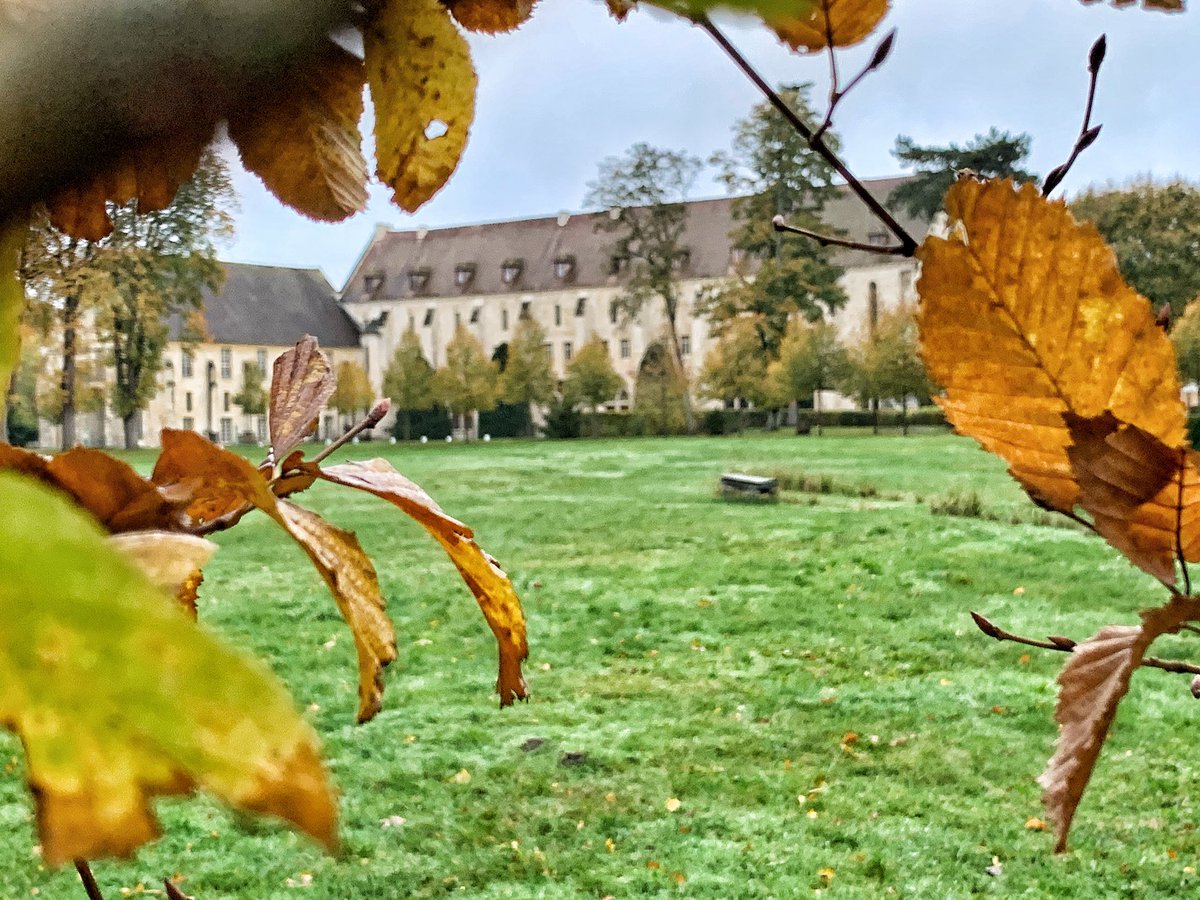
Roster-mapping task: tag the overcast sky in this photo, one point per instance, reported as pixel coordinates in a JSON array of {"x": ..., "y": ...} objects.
[{"x": 572, "y": 86}]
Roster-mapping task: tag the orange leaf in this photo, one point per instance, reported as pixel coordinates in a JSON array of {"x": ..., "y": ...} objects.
[
  {"x": 1024, "y": 317},
  {"x": 303, "y": 140},
  {"x": 491, "y": 16},
  {"x": 221, "y": 482},
  {"x": 301, "y": 381},
  {"x": 845, "y": 21},
  {"x": 483, "y": 575},
  {"x": 355, "y": 588},
  {"x": 1144, "y": 497},
  {"x": 1092, "y": 684}
]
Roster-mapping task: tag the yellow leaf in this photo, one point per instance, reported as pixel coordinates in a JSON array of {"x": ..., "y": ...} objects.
[
  {"x": 303, "y": 140},
  {"x": 1024, "y": 317},
  {"x": 1143, "y": 497},
  {"x": 1033, "y": 823},
  {"x": 492, "y": 588},
  {"x": 423, "y": 87},
  {"x": 119, "y": 698},
  {"x": 837, "y": 23},
  {"x": 673, "y": 804},
  {"x": 491, "y": 16},
  {"x": 355, "y": 587},
  {"x": 462, "y": 776}
]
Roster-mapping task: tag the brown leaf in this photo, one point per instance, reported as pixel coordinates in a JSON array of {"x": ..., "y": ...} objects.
[
  {"x": 620, "y": 9},
  {"x": 1092, "y": 684},
  {"x": 483, "y": 575},
  {"x": 303, "y": 141},
  {"x": 150, "y": 173},
  {"x": 118, "y": 497},
  {"x": 301, "y": 381},
  {"x": 845, "y": 21},
  {"x": 169, "y": 561},
  {"x": 1024, "y": 317},
  {"x": 1144, "y": 497},
  {"x": 352, "y": 581},
  {"x": 220, "y": 482},
  {"x": 491, "y": 16}
]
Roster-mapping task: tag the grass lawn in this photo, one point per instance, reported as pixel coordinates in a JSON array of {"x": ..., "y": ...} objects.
[{"x": 802, "y": 677}]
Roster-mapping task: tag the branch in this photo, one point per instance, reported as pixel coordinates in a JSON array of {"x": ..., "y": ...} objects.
[
  {"x": 89, "y": 881},
  {"x": 826, "y": 240},
  {"x": 173, "y": 892},
  {"x": 835, "y": 94},
  {"x": 815, "y": 141},
  {"x": 1087, "y": 134},
  {"x": 1066, "y": 645},
  {"x": 378, "y": 411}
]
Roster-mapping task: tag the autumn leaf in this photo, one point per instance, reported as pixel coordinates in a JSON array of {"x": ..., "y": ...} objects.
[
  {"x": 301, "y": 381},
  {"x": 1024, "y": 317},
  {"x": 220, "y": 483},
  {"x": 1144, "y": 497},
  {"x": 303, "y": 140},
  {"x": 355, "y": 587},
  {"x": 1092, "y": 684},
  {"x": 491, "y": 586},
  {"x": 1164, "y": 5},
  {"x": 149, "y": 173},
  {"x": 423, "y": 87},
  {"x": 836, "y": 23},
  {"x": 118, "y": 697},
  {"x": 169, "y": 561},
  {"x": 491, "y": 16}
]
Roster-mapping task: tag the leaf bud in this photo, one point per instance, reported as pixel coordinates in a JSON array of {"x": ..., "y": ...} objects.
[{"x": 1096, "y": 57}]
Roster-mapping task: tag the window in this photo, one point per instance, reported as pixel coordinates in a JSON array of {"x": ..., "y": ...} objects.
[
  {"x": 504, "y": 320},
  {"x": 557, "y": 314},
  {"x": 329, "y": 427},
  {"x": 428, "y": 317},
  {"x": 260, "y": 428},
  {"x": 580, "y": 306},
  {"x": 510, "y": 270},
  {"x": 227, "y": 431},
  {"x": 567, "y": 351},
  {"x": 905, "y": 285},
  {"x": 625, "y": 348},
  {"x": 549, "y": 349},
  {"x": 457, "y": 319},
  {"x": 225, "y": 405},
  {"x": 372, "y": 284},
  {"x": 613, "y": 309},
  {"x": 185, "y": 364},
  {"x": 618, "y": 265},
  {"x": 877, "y": 238},
  {"x": 564, "y": 267},
  {"x": 464, "y": 274},
  {"x": 418, "y": 280},
  {"x": 475, "y": 314},
  {"x": 681, "y": 260},
  {"x": 685, "y": 344},
  {"x": 187, "y": 401},
  {"x": 189, "y": 424},
  {"x": 226, "y": 362},
  {"x": 524, "y": 309},
  {"x": 872, "y": 306},
  {"x": 260, "y": 357}
]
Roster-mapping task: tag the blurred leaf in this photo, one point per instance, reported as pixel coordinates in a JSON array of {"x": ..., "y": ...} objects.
[
  {"x": 169, "y": 561},
  {"x": 423, "y": 87},
  {"x": 303, "y": 140},
  {"x": 483, "y": 575},
  {"x": 352, "y": 581},
  {"x": 491, "y": 16},
  {"x": 117, "y": 697},
  {"x": 1024, "y": 317},
  {"x": 12, "y": 299},
  {"x": 1164, "y": 5},
  {"x": 845, "y": 21},
  {"x": 1092, "y": 684},
  {"x": 301, "y": 382},
  {"x": 1144, "y": 497}
]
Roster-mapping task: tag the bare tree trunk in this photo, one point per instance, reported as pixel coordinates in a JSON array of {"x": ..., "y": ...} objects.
[
  {"x": 904, "y": 416},
  {"x": 689, "y": 416},
  {"x": 129, "y": 423},
  {"x": 67, "y": 384},
  {"x": 817, "y": 410},
  {"x": 875, "y": 416}
]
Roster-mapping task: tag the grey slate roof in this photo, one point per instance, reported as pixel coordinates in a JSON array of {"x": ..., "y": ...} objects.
[
  {"x": 539, "y": 242},
  {"x": 275, "y": 306}
]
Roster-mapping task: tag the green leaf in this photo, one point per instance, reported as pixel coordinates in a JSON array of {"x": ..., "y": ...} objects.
[
  {"x": 12, "y": 299},
  {"x": 119, "y": 697}
]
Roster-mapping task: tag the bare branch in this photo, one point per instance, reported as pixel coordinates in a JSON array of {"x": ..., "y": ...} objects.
[
  {"x": 378, "y": 411},
  {"x": 836, "y": 95},
  {"x": 1066, "y": 645},
  {"x": 89, "y": 881},
  {"x": 826, "y": 240},
  {"x": 1087, "y": 134}
]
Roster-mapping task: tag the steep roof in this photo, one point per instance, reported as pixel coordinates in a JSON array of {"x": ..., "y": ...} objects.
[
  {"x": 275, "y": 306},
  {"x": 383, "y": 271}
]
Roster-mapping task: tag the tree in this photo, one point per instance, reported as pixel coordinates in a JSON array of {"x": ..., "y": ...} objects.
[
  {"x": 591, "y": 378},
  {"x": 811, "y": 360},
  {"x": 1185, "y": 335},
  {"x": 467, "y": 383},
  {"x": 996, "y": 154},
  {"x": 22, "y": 407},
  {"x": 643, "y": 191},
  {"x": 736, "y": 368},
  {"x": 408, "y": 381},
  {"x": 252, "y": 399},
  {"x": 658, "y": 395},
  {"x": 1155, "y": 231},
  {"x": 160, "y": 263},
  {"x": 887, "y": 361},
  {"x": 779, "y": 174},
  {"x": 353, "y": 393},
  {"x": 528, "y": 377}
]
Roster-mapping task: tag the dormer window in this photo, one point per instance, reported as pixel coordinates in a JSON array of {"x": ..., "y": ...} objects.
[
  {"x": 464, "y": 274},
  {"x": 510, "y": 270},
  {"x": 564, "y": 267},
  {"x": 372, "y": 284},
  {"x": 418, "y": 280},
  {"x": 618, "y": 265},
  {"x": 681, "y": 260}
]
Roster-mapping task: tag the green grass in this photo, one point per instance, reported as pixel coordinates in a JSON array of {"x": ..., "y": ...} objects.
[{"x": 717, "y": 653}]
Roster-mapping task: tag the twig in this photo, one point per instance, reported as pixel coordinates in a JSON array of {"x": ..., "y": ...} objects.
[
  {"x": 89, "y": 881},
  {"x": 1066, "y": 645},
  {"x": 1087, "y": 134},
  {"x": 836, "y": 95},
  {"x": 826, "y": 240},
  {"x": 907, "y": 242},
  {"x": 378, "y": 411},
  {"x": 173, "y": 892}
]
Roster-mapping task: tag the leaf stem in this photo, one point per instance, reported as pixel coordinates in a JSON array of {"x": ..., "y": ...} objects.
[
  {"x": 907, "y": 243},
  {"x": 1087, "y": 134},
  {"x": 89, "y": 880},
  {"x": 378, "y": 411}
]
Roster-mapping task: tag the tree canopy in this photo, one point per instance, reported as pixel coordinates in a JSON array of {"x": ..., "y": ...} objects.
[
  {"x": 408, "y": 380},
  {"x": 591, "y": 378},
  {"x": 468, "y": 381}
]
